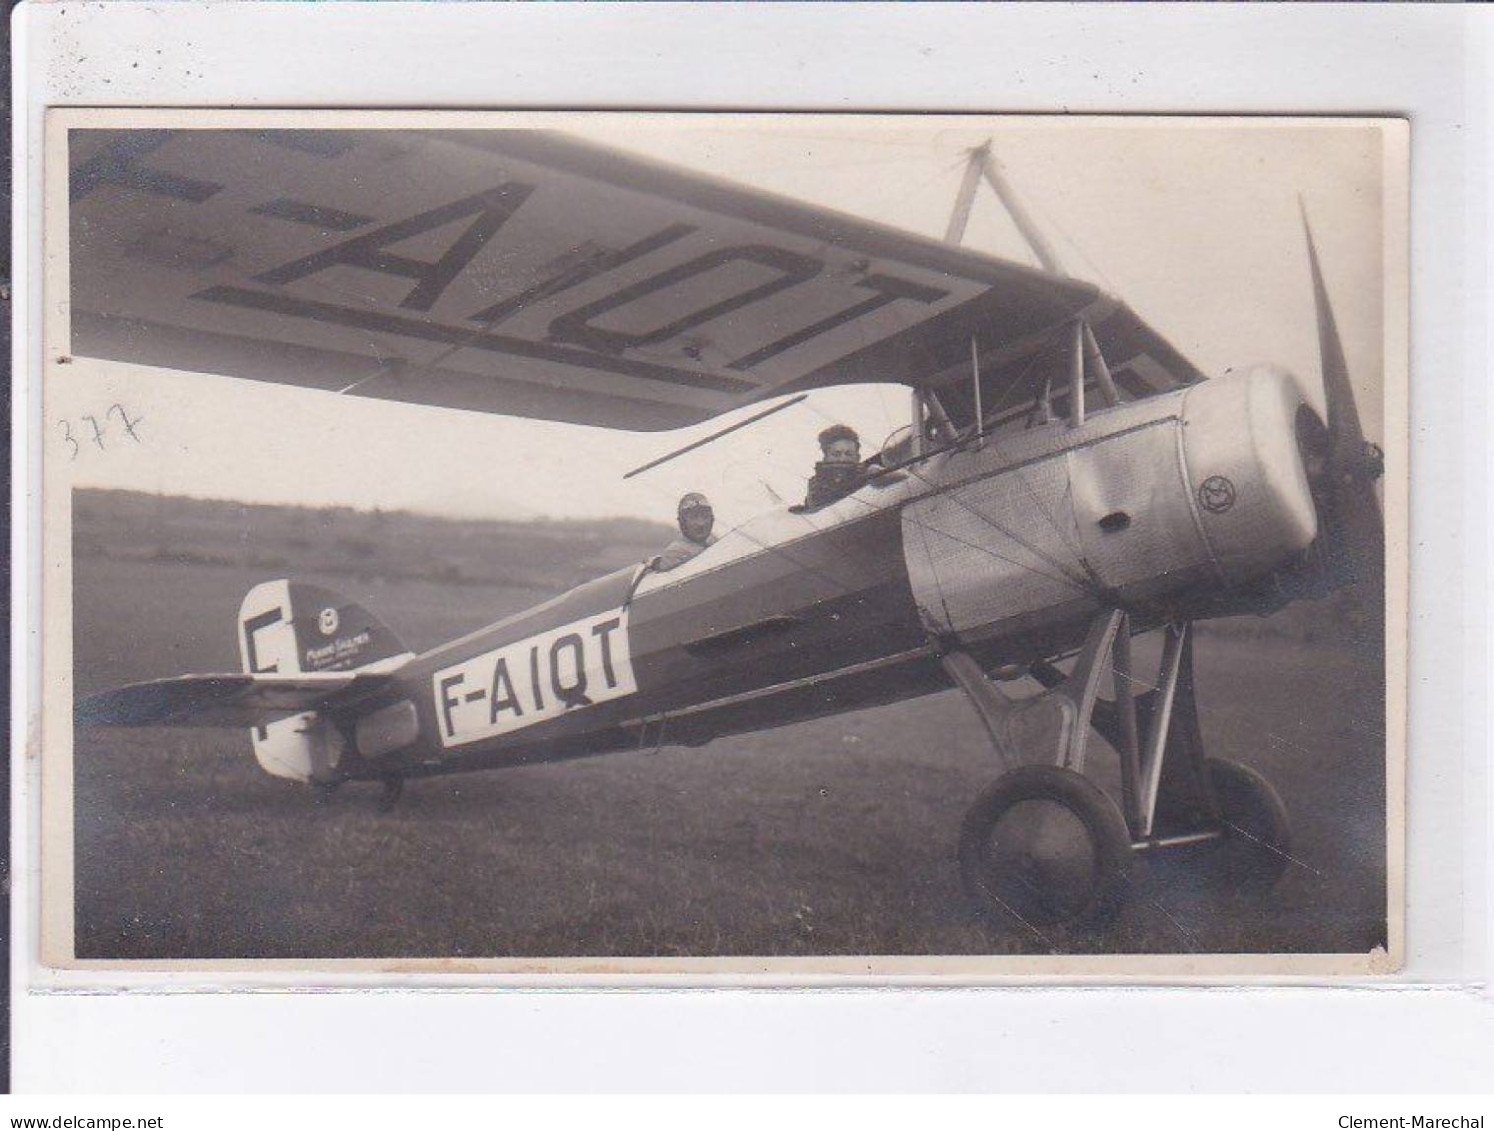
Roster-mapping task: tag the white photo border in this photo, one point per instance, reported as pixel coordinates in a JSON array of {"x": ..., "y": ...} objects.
[{"x": 1426, "y": 63}]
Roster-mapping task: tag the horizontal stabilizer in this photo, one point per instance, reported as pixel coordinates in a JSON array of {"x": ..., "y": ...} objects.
[{"x": 220, "y": 700}]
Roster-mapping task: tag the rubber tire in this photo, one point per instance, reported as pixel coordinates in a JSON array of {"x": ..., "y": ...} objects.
[
  {"x": 1258, "y": 833},
  {"x": 1110, "y": 844}
]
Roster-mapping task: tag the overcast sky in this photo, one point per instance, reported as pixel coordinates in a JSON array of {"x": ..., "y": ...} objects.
[{"x": 1196, "y": 227}]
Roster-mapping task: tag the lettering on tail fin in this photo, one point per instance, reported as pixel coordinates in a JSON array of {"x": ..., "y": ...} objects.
[{"x": 335, "y": 634}]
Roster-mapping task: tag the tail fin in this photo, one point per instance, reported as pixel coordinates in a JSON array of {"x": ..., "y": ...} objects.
[{"x": 292, "y": 627}]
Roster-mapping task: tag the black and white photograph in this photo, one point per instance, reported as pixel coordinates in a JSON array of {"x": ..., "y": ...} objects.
[{"x": 796, "y": 544}]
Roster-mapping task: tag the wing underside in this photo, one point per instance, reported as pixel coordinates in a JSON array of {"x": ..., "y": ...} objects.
[{"x": 526, "y": 273}]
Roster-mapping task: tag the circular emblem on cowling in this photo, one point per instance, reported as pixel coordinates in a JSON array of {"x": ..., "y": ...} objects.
[
  {"x": 1216, "y": 494},
  {"x": 326, "y": 620}
]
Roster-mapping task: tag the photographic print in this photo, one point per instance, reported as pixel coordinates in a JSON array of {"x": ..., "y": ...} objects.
[{"x": 724, "y": 544}]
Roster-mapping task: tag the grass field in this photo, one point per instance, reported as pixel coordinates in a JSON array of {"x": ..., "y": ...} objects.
[{"x": 831, "y": 837}]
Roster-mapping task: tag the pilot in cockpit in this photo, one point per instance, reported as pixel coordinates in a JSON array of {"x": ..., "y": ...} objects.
[
  {"x": 696, "y": 518},
  {"x": 840, "y": 471}
]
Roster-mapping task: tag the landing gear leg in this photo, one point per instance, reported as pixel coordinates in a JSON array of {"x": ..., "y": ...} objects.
[
  {"x": 1220, "y": 820},
  {"x": 1053, "y": 726},
  {"x": 1168, "y": 714},
  {"x": 1224, "y": 826},
  {"x": 1044, "y": 845}
]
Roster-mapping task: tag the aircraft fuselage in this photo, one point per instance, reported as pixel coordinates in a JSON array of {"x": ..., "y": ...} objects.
[{"x": 1007, "y": 549}]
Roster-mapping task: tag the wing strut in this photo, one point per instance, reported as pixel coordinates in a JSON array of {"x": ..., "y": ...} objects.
[
  {"x": 1086, "y": 366},
  {"x": 982, "y": 165}
]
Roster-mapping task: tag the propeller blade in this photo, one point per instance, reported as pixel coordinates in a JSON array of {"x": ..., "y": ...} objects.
[
  {"x": 1343, "y": 413},
  {"x": 1356, "y": 529}
]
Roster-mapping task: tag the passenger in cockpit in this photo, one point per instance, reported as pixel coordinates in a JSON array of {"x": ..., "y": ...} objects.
[
  {"x": 696, "y": 518},
  {"x": 840, "y": 471}
]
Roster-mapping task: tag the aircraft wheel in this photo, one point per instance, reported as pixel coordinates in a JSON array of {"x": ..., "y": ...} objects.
[
  {"x": 1045, "y": 846},
  {"x": 1257, "y": 832}
]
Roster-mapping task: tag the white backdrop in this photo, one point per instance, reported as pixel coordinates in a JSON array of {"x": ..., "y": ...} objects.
[{"x": 1429, "y": 62}]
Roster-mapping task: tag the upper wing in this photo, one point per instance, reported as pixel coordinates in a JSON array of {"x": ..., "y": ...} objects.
[
  {"x": 526, "y": 273},
  {"x": 226, "y": 700}
]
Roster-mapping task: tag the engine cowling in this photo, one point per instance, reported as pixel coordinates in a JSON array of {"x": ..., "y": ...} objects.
[
  {"x": 1245, "y": 470},
  {"x": 1185, "y": 504}
]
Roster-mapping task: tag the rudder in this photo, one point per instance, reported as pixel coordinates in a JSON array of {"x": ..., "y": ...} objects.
[{"x": 293, "y": 626}]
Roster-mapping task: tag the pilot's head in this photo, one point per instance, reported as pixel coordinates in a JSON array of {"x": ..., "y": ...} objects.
[
  {"x": 840, "y": 444},
  {"x": 696, "y": 517}
]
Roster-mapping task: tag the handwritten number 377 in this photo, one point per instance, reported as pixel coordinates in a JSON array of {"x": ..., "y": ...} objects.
[{"x": 100, "y": 430}]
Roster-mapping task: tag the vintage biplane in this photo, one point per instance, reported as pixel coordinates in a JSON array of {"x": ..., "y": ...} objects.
[{"x": 1066, "y": 481}]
